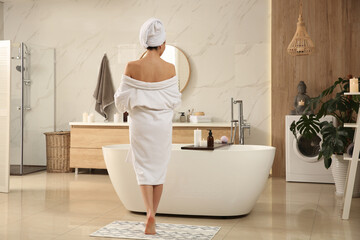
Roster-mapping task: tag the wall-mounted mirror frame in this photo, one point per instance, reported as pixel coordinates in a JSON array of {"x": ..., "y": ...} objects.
[{"x": 183, "y": 70}]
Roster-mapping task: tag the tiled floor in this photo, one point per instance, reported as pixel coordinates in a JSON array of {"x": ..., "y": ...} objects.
[{"x": 64, "y": 206}]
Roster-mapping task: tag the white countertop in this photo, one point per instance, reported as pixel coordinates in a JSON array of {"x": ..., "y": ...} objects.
[{"x": 175, "y": 124}]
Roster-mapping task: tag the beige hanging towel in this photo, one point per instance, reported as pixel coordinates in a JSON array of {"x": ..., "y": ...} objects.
[{"x": 104, "y": 92}]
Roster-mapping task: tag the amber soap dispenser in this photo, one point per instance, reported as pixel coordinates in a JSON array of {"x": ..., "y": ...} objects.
[{"x": 210, "y": 139}]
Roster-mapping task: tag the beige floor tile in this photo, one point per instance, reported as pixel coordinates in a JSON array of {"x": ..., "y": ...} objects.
[
  {"x": 25, "y": 235},
  {"x": 116, "y": 212},
  {"x": 278, "y": 221},
  {"x": 331, "y": 205},
  {"x": 69, "y": 237},
  {"x": 292, "y": 220},
  {"x": 87, "y": 208},
  {"x": 290, "y": 196},
  {"x": 47, "y": 223},
  {"x": 305, "y": 187},
  {"x": 302, "y": 209},
  {"x": 335, "y": 228},
  {"x": 14, "y": 211},
  {"x": 263, "y": 233},
  {"x": 3, "y": 197},
  {"x": 90, "y": 227},
  {"x": 65, "y": 206}
]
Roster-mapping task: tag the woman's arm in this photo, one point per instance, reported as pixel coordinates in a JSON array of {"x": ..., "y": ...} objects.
[{"x": 172, "y": 70}]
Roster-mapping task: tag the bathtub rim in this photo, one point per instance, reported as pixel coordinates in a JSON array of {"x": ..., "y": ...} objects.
[{"x": 230, "y": 148}]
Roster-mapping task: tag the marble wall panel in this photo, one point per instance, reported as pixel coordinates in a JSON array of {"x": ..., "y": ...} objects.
[{"x": 224, "y": 41}]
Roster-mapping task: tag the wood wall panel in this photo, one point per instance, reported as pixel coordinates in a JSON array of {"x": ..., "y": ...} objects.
[{"x": 334, "y": 27}]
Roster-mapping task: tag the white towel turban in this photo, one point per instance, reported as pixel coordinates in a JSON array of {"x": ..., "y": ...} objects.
[{"x": 152, "y": 33}]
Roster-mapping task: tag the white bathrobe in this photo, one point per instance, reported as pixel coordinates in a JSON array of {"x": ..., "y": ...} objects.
[{"x": 150, "y": 107}]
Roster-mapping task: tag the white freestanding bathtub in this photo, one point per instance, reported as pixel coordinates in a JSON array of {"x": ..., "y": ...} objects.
[{"x": 224, "y": 182}]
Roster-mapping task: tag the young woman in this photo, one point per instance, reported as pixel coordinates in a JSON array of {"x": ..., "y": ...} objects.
[{"x": 149, "y": 92}]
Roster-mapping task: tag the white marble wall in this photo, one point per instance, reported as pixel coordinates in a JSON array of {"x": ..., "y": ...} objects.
[
  {"x": 227, "y": 42},
  {"x": 4, "y": 114}
]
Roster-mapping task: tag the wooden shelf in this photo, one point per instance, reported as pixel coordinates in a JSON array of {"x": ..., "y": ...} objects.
[
  {"x": 350, "y": 125},
  {"x": 348, "y": 157},
  {"x": 352, "y": 168}
]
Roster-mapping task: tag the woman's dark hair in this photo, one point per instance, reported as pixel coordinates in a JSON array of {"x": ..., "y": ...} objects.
[{"x": 152, "y": 48}]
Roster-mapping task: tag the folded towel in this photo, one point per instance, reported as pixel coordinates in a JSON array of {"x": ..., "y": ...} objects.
[
  {"x": 200, "y": 119},
  {"x": 104, "y": 92},
  {"x": 152, "y": 33}
]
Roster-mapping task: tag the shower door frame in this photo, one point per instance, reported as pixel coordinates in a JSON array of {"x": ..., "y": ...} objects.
[
  {"x": 26, "y": 83},
  {"x": 22, "y": 110}
]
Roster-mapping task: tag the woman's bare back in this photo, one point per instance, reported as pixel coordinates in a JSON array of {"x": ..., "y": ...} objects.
[{"x": 150, "y": 69}]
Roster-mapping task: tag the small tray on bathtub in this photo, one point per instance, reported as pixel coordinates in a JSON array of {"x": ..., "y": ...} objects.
[{"x": 216, "y": 145}]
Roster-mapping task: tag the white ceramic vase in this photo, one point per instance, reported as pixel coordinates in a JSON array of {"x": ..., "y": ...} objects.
[{"x": 339, "y": 168}]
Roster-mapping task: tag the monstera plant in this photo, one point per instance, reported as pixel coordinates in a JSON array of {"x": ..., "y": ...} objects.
[{"x": 335, "y": 137}]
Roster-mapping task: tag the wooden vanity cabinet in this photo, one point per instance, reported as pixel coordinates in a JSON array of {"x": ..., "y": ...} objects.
[{"x": 86, "y": 141}]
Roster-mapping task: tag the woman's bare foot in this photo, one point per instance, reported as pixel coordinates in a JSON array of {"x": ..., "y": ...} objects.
[{"x": 150, "y": 225}]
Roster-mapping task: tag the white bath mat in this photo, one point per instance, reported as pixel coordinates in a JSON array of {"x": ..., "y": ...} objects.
[{"x": 164, "y": 231}]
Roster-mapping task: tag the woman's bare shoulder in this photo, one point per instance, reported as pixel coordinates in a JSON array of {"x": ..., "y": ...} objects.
[
  {"x": 170, "y": 68},
  {"x": 134, "y": 63},
  {"x": 131, "y": 67}
]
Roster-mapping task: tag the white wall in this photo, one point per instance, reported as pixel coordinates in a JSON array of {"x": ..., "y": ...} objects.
[
  {"x": 227, "y": 42},
  {"x": 4, "y": 114},
  {"x": 1, "y": 20}
]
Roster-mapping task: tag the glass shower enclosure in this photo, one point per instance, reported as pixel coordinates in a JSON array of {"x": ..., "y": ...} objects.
[{"x": 32, "y": 106}]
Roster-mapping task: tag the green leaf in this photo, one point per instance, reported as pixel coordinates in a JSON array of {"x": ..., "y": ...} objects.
[{"x": 327, "y": 162}]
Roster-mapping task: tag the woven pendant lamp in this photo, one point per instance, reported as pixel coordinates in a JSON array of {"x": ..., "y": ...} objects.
[{"x": 301, "y": 44}]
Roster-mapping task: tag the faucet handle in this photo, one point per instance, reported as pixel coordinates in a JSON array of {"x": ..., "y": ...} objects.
[{"x": 247, "y": 125}]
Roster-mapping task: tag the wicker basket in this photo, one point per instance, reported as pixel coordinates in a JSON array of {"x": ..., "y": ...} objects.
[{"x": 58, "y": 152}]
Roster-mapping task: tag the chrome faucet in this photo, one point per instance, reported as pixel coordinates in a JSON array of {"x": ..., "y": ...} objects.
[{"x": 240, "y": 123}]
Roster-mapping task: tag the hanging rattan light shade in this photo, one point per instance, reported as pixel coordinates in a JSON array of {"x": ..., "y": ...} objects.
[{"x": 301, "y": 44}]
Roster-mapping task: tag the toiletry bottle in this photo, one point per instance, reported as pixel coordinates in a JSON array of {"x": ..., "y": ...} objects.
[
  {"x": 210, "y": 139},
  {"x": 188, "y": 116},
  {"x": 182, "y": 117},
  {"x": 125, "y": 116}
]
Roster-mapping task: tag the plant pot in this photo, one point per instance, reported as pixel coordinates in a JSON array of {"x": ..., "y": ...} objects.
[{"x": 339, "y": 168}]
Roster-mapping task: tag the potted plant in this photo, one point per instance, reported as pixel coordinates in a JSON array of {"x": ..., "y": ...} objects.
[{"x": 335, "y": 137}]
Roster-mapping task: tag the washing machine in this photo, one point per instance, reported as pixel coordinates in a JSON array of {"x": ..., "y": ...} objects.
[{"x": 302, "y": 164}]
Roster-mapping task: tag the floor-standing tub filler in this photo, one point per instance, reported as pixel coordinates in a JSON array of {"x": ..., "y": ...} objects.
[{"x": 224, "y": 182}]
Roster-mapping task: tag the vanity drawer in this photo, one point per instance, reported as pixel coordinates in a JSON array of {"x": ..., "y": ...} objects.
[
  {"x": 96, "y": 137},
  {"x": 87, "y": 158}
]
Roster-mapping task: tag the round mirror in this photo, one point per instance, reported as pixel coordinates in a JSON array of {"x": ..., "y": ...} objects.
[{"x": 177, "y": 57}]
